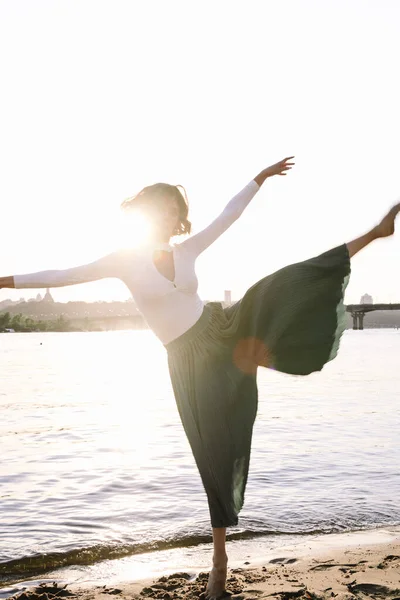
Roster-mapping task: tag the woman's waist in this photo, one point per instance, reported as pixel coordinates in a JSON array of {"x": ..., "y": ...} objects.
[
  {"x": 209, "y": 328},
  {"x": 172, "y": 316}
]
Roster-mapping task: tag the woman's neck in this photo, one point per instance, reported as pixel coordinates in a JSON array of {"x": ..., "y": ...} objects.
[
  {"x": 153, "y": 242},
  {"x": 159, "y": 239}
]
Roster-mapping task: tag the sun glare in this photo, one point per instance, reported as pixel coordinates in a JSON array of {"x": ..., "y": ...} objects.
[{"x": 132, "y": 230}]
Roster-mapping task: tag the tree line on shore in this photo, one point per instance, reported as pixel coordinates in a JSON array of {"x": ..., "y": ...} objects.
[{"x": 21, "y": 323}]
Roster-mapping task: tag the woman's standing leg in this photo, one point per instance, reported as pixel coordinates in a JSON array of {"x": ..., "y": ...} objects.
[
  {"x": 384, "y": 229},
  {"x": 217, "y": 577},
  {"x": 217, "y": 403}
]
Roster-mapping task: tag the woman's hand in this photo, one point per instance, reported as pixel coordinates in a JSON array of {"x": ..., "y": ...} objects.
[{"x": 279, "y": 168}]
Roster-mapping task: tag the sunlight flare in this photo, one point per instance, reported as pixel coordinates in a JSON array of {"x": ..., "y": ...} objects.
[{"x": 131, "y": 230}]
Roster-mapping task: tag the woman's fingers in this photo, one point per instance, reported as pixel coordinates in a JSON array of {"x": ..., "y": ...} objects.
[
  {"x": 283, "y": 167},
  {"x": 284, "y": 164}
]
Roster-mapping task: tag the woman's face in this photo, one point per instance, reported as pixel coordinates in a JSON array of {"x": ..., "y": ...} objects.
[{"x": 163, "y": 214}]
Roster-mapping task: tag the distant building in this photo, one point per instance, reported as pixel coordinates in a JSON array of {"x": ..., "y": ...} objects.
[
  {"x": 366, "y": 299},
  {"x": 227, "y": 297},
  {"x": 39, "y": 298},
  {"x": 48, "y": 297}
]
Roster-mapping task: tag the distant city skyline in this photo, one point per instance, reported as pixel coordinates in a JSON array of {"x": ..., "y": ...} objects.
[
  {"x": 98, "y": 316},
  {"x": 227, "y": 299},
  {"x": 225, "y": 295}
]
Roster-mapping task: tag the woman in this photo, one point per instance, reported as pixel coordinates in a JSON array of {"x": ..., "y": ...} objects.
[{"x": 290, "y": 321}]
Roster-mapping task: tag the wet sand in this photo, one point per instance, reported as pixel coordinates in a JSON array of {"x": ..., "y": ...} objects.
[{"x": 349, "y": 573}]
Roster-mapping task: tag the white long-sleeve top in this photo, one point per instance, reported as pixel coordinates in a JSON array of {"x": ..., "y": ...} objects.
[{"x": 169, "y": 307}]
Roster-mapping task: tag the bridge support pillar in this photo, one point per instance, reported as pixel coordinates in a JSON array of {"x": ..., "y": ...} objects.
[{"x": 358, "y": 319}]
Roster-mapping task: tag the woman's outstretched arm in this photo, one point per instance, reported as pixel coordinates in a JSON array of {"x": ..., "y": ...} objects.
[
  {"x": 199, "y": 242},
  {"x": 111, "y": 265}
]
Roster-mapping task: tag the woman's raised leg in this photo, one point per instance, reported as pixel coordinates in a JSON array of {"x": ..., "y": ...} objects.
[
  {"x": 217, "y": 579},
  {"x": 384, "y": 229}
]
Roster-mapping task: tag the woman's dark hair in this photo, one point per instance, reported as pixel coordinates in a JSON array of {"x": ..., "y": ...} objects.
[{"x": 154, "y": 193}]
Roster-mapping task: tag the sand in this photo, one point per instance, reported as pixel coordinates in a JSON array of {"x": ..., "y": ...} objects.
[{"x": 357, "y": 572}]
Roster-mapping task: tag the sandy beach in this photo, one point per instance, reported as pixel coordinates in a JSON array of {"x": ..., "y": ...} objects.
[{"x": 364, "y": 571}]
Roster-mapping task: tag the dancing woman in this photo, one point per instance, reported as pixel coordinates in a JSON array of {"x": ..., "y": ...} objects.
[{"x": 290, "y": 321}]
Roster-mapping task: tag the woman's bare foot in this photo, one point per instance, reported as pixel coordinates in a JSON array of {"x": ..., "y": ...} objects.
[
  {"x": 217, "y": 580},
  {"x": 386, "y": 226},
  {"x": 384, "y": 229}
]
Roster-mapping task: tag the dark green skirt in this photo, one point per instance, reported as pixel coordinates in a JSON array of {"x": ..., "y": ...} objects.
[{"x": 290, "y": 321}]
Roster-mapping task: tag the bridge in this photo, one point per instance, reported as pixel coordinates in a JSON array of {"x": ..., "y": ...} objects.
[
  {"x": 118, "y": 315},
  {"x": 358, "y": 311},
  {"x": 122, "y": 321}
]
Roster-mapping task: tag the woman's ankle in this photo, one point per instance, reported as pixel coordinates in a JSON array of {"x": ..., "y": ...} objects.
[{"x": 220, "y": 560}]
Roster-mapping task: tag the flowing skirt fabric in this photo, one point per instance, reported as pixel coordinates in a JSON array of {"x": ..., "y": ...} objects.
[{"x": 290, "y": 321}]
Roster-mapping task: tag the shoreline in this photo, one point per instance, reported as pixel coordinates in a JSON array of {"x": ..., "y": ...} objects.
[
  {"x": 77, "y": 330},
  {"x": 363, "y": 564}
]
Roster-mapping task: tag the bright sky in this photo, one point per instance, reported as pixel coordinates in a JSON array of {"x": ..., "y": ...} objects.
[{"x": 101, "y": 97}]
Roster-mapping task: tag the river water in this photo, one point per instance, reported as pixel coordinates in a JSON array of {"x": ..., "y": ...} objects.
[{"x": 95, "y": 464}]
